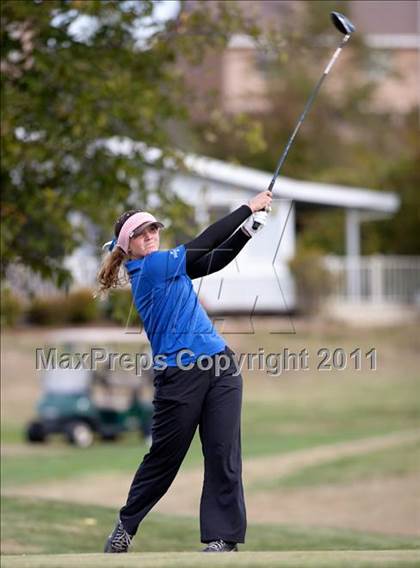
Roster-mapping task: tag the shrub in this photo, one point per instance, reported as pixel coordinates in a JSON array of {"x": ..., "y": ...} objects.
[
  {"x": 313, "y": 280},
  {"x": 81, "y": 307},
  {"x": 46, "y": 311},
  {"x": 11, "y": 308},
  {"x": 120, "y": 308},
  {"x": 76, "y": 307}
]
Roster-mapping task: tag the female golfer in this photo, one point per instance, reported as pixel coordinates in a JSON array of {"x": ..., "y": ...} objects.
[{"x": 195, "y": 377}]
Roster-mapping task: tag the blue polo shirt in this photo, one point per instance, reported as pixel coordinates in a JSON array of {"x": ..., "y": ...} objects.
[{"x": 172, "y": 315}]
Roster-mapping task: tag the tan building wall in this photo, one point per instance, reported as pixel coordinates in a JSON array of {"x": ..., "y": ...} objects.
[
  {"x": 401, "y": 92},
  {"x": 243, "y": 87},
  {"x": 392, "y": 31},
  {"x": 385, "y": 16}
]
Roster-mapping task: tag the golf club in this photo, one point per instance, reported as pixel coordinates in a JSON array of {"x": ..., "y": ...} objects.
[{"x": 343, "y": 25}]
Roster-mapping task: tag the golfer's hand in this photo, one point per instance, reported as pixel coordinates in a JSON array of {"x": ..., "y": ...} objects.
[
  {"x": 261, "y": 201},
  {"x": 260, "y": 217}
]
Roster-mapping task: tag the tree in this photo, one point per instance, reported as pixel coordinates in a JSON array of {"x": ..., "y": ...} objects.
[
  {"x": 75, "y": 73},
  {"x": 344, "y": 139},
  {"x": 400, "y": 234}
]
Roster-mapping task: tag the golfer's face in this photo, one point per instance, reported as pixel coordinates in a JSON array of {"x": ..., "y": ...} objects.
[{"x": 148, "y": 241}]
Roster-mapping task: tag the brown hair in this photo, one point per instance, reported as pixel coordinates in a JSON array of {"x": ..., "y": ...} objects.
[{"x": 109, "y": 275}]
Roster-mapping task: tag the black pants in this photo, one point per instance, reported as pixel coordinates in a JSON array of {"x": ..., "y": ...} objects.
[{"x": 185, "y": 399}]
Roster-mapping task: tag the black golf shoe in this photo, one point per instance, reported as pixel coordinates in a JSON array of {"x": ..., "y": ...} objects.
[
  {"x": 119, "y": 540},
  {"x": 221, "y": 546}
]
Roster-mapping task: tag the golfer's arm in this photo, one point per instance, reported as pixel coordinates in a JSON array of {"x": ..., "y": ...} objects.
[
  {"x": 216, "y": 234},
  {"x": 219, "y": 257}
]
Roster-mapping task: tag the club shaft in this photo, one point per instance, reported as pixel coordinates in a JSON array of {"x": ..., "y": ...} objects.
[
  {"x": 303, "y": 115},
  {"x": 306, "y": 110}
]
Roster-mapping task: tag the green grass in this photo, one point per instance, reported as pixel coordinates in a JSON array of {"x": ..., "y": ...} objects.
[
  {"x": 397, "y": 461},
  {"x": 308, "y": 559},
  {"x": 124, "y": 456},
  {"x": 67, "y": 462},
  {"x": 299, "y": 415},
  {"x": 288, "y": 413},
  {"x": 51, "y": 527},
  {"x": 11, "y": 433},
  {"x": 304, "y": 413},
  {"x": 276, "y": 427}
]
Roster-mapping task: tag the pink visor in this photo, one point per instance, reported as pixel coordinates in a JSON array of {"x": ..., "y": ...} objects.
[{"x": 133, "y": 223}]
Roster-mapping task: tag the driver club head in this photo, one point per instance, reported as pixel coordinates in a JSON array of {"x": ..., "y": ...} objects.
[{"x": 342, "y": 23}]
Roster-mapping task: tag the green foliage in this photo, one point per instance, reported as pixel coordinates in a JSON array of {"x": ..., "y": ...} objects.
[
  {"x": 66, "y": 89},
  {"x": 45, "y": 311},
  {"x": 289, "y": 61},
  {"x": 120, "y": 308},
  {"x": 400, "y": 235},
  {"x": 347, "y": 137},
  {"x": 232, "y": 138},
  {"x": 183, "y": 225},
  {"x": 11, "y": 308},
  {"x": 313, "y": 280},
  {"x": 81, "y": 307},
  {"x": 76, "y": 307},
  {"x": 321, "y": 230}
]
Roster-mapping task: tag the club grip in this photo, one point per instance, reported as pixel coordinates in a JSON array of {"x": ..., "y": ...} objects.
[{"x": 255, "y": 224}]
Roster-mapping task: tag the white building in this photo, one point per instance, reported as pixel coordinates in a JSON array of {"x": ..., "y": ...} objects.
[{"x": 259, "y": 280}]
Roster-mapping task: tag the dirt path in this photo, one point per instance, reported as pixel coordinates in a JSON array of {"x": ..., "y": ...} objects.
[
  {"x": 390, "y": 505},
  {"x": 18, "y": 450},
  {"x": 283, "y": 465}
]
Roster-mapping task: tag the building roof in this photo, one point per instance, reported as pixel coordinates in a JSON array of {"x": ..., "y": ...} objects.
[
  {"x": 252, "y": 180},
  {"x": 332, "y": 195}
]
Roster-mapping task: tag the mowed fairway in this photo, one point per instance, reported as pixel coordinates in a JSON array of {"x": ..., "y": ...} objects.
[
  {"x": 313, "y": 559},
  {"x": 331, "y": 466}
]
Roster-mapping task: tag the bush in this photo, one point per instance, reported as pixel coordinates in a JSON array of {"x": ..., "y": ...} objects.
[
  {"x": 76, "y": 307},
  {"x": 11, "y": 308},
  {"x": 81, "y": 307},
  {"x": 313, "y": 280},
  {"x": 120, "y": 308},
  {"x": 46, "y": 311}
]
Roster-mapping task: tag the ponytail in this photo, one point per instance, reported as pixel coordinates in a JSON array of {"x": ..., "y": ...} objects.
[{"x": 109, "y": 275}]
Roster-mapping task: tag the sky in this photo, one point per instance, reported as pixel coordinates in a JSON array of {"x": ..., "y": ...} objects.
[{"x": 85, "y": 25}]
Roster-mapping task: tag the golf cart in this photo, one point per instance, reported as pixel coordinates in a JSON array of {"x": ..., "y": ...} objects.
[{"x": 82, "y": 404}]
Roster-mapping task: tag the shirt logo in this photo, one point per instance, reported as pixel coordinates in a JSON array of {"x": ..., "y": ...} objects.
[{"x": 174, "y": 253}]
